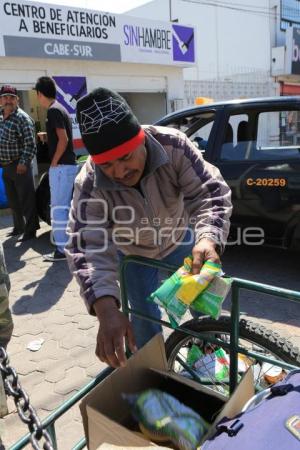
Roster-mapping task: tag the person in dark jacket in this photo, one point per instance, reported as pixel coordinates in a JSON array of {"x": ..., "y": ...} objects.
[{"x": 143, "y": 191}]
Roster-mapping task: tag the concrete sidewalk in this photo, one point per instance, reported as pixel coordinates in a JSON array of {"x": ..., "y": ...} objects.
[{"x": 45, "y": 304}]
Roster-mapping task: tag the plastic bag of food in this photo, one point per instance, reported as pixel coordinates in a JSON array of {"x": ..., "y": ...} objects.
[
  {"x": 210, "y": 301},
  {"x": 162, "y": 418},
  {"x": 193, "y": 285},
  {"x": 165, "y": 296},
  {"x": 179, "y": 291},
  {"x": 214, "y": 366}
]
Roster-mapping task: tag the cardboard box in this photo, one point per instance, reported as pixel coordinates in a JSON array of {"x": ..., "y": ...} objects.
[{"x": 106, "y": 416}]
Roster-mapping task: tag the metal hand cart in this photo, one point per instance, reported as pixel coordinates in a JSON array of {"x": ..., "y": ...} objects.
[{"x": 43, "y": 435}]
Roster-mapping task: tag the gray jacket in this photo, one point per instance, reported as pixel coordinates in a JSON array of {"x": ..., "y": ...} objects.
[{"x": 179, "y": 189}]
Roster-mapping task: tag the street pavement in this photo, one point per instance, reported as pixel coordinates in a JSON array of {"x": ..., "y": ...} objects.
[{"x": 46, "y": 304}]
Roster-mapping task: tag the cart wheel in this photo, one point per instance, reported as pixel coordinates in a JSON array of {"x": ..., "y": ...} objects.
[{"x": 253, "y": 337}]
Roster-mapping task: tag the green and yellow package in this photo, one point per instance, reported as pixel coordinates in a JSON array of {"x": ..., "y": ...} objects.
[
  {"x": 162, "y": 418},
  {"x": 210, "y": 301},
  {"x": 165, "y": 296},
  {"x": 183, "y": 290},
  {"x": 193, "y": 285}
]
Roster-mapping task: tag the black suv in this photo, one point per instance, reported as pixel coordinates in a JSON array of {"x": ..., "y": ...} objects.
[{"x": 256, "y": 145}]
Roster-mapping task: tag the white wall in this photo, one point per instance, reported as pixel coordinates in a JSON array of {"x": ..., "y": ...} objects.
[{"x": 229, "y": 41}]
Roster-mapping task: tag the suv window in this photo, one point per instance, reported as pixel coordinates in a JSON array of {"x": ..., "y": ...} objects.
[
  {"x": 197, "y": 127},
  {"x": 237, "y": 139},
  {"x": 201, "y": 136},
  {"x": 278, "y": 135},
  {"x": 262, "y": 136}
]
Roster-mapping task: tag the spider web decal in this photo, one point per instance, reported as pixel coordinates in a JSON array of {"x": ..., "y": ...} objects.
[{"x": 102, "y": 113}]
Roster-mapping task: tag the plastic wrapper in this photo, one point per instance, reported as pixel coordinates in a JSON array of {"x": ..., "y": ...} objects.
[
  {"x": 244, "y": 362},
  {"x": 193, "y": 285},
  {"x": 210, "y": 301},
  {"x": 272, "y": 374},
  {"x": 203, "y": 292},
  {"x": 162, "y": 417},
  {"x": 165, "y": 296},
  {"x": 214, "y": 366}
]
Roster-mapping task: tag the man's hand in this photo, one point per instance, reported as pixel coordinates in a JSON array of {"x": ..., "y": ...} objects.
[
  {"x": 21, "y": 169},
  {"x": 114, "y": 329},
  {"x": 205, "y": 250}
]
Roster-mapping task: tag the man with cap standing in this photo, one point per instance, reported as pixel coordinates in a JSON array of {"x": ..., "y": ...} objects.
[
  {"x": 17, "y": 149},
  {"x": 63, "y": 168},
  {"x": 144, "y": 191}
]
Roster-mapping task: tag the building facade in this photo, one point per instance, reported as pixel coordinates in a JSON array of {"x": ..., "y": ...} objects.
[
  {"x": 234, "y": 41},
  {"x": 83, "y": 49}
]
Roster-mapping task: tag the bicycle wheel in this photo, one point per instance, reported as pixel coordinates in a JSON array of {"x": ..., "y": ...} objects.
[{"x": 212, "y": 365}]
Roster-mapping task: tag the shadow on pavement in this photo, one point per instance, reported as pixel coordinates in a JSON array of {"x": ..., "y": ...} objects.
[
  {"x": 48, "y": 292},
  {"x": 14, "y": 250},
  {"x": 49, "y": 287}
]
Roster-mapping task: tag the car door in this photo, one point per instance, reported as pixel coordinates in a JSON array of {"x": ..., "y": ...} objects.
[{"x": 262, "y": 167}]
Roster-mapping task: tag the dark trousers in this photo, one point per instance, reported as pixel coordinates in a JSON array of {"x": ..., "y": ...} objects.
[{"x": 21, "y": 198}]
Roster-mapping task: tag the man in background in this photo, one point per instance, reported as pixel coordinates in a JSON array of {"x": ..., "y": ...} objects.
[
  {"x": 63, "y": 168},
  {"x": 17, "y": 149}
]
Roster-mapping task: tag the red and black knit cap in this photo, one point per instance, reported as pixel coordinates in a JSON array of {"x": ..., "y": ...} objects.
[{"x": 108, "y": 127}]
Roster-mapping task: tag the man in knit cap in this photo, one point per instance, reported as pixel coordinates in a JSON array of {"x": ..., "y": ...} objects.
[{"x": 144, "y": 191}]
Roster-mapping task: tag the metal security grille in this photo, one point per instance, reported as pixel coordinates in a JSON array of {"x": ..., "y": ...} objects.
[{"x": 228, "y": 90}]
